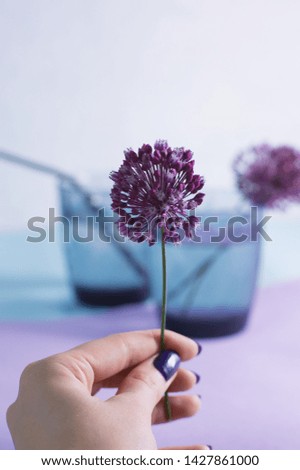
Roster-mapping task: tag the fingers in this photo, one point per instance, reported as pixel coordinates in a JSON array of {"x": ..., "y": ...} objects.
[
  {"x": 184, "y": 380},
  {"x": 108, "y": 356},
  {"x": 147, "y": 382},
  {"x": 182, "y": 406}
]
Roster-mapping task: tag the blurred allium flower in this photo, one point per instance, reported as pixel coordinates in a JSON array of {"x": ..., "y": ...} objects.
[
  {"x": 156, "y": 188},
  {"x": 269, "y": 176}
]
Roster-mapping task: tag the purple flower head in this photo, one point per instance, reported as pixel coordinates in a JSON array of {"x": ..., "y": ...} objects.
[
  {"x": 269, "y": 176},
  {"x": 156, "y": 188}
]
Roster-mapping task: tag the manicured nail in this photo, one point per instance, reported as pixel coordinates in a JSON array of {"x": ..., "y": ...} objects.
[
  {"x": 197, "y": 377},
  {"x": 199, "y": 348},
  {"x": 167, "y": 363},
  {"x": 210, "y": 447}
]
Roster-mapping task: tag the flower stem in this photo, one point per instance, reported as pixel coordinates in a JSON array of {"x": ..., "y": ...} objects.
[
  {"x": 164, "y": 292},
  {"x": 164, "y": 313}
]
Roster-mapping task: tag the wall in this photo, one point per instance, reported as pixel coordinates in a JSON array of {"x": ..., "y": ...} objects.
[{"x": 81, "y": 80}]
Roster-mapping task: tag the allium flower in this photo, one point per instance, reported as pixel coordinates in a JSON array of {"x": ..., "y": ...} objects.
[
  {"x": 156, "y": 188},
  {"x": 269, "y": 176}
]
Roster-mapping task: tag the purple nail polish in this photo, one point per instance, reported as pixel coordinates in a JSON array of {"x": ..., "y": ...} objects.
[
  {"x": 167, "y": 363},
  {"x": 199, "y": 348},
  {"x": 197, "y": 377},
  {"x": 210, "y": 447}
]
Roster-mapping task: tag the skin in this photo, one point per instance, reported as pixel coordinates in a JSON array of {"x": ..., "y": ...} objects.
[{"x": 57, "y": 408}]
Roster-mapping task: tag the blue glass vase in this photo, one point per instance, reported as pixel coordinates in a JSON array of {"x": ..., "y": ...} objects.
[
  {"x": 212, "y": 278},
  {"x": 103, "y": 269}
]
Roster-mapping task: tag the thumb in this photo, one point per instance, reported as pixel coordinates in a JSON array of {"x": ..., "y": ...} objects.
[{"x": 149, "y": 380}]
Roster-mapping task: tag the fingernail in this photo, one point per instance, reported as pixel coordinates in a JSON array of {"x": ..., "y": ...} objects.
[
  {"x": 199, "y": 396},
  {"x": 199, "y": 348},
  {"x": 167, "y": 363},
  {"x": 197, "y": 377},
  {"x": 210, "y": 447}
]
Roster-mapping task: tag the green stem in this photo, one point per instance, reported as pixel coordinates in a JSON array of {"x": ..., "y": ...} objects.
[
  {"x": 164, "y": 292},
  {"x": 164, "y": 314}
]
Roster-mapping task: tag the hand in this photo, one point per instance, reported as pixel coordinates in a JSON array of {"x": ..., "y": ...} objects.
[{"x": 57, "y": 408}]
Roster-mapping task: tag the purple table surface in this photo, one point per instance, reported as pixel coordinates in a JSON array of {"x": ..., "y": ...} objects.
[{"x": 250, "y": 383}]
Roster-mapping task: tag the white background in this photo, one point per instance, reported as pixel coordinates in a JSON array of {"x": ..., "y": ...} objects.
[
  {"x": 81, "y": 80},
  {"x": 268, "y": 460}
]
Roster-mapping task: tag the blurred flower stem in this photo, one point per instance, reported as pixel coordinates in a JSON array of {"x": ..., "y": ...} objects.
[
  {"x": 195, "y": 278},
  {"x": 164, "y": 313},
  {"x": 86, "y": 195},
  {"x": 198, "y": 272}
]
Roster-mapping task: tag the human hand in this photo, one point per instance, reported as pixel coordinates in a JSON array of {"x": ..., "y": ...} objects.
[{"x": 57, "y": 408}]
